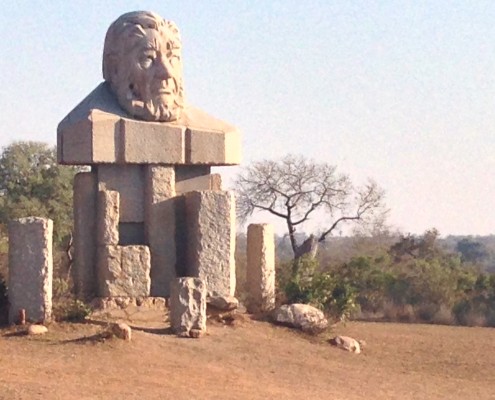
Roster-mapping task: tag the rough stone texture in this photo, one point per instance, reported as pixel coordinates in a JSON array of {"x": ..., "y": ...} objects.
[
  {"x": 30, "y": 268},
  {"x": 36, "y": 329},
  {"x": 224, "y": 303},
  {"x": 123, "y": 271},
  {"x": 89, "y": 140},
  {"x": 157, "y": 143},
  {"x": 303, "y": 316},
  {"x": 98, "y": 131},
  {"x": 109, "y": 303},
  {"x": 346, "y": 343},
  {"x": 122, "y": 331},
  {"x": 207, "y": 147},
  {"x": 204, "y": 182},
  {"x": 210, "y": 219},
  {"x": 160, "y": 226},
  {"x": 107, "y": 222},
  {"x": 128, "y": 180},
  {"x": 85, "y": 190},
  {"x": 260, "y": 275},
  {"x": 188, "y": 306}
]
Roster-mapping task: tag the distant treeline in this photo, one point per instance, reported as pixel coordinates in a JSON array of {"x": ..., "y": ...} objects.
[{"x": 394, "y": 277}]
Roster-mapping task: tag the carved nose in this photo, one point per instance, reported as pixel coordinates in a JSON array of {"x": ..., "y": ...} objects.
[{"x": 164, "y": 70}]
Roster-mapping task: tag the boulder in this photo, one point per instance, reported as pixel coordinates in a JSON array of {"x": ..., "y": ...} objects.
[
  {"x": 37, "y": 329},
  {"x": 122, "y": 331},
  {"x": 223, "y": 303},
  {"x": 346, "y": 343},
  {"x": 302, "y": 316}
]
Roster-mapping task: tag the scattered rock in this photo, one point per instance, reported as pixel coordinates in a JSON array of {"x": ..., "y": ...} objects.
[
  {"x": 111, "y": 303},
  {"x": 37, "y": 330},
  {"x": 224, "y": 303},
  {"x": 346, "y": 343},
  {"x": 196, "y": 333},
  {"x": 303, "y": 316},
  {"x": 122, "y": 331}
]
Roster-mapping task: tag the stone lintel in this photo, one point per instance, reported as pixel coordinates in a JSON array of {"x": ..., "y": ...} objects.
[
  {"x": 98, "y": 131},
  {"x": 204, "y": 182}
]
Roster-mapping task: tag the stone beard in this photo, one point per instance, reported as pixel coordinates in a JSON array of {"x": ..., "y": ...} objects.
[{"x": 142, "y": 63}]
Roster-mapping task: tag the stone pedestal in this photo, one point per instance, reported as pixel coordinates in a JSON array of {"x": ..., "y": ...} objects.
[
  {"x": 30, "y": 268},
  {"x": 135, "y": 197},
  {"x": 260, "y": 273},
  {"x": 188, "y": 306},
  {"x": 210, "y": 225}
]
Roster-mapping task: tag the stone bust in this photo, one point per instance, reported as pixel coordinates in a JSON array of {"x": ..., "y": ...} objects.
[{"x": 142, "y": 64}]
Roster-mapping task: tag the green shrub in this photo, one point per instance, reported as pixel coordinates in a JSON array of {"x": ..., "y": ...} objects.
[
  {"x": 320, "y": 289},
  {"x": 65, "y": 306}
]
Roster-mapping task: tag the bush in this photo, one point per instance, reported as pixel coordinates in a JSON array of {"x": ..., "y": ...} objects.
[
  {"x": 308, "y": 285},
  {"x": 65, "y": 306}
]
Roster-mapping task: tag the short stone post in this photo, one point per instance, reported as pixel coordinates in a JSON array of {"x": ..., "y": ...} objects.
[
  {"x": 188, "y": 307},
  {"x": 260, "y": 268},
  {"x": 30, "y": 268}
]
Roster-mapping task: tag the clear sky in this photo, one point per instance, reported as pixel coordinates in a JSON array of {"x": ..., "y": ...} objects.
[{"x": 399, "y": 91}]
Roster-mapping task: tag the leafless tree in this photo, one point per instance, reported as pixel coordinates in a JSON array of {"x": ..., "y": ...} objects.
[{"x": 295, "y": 188}]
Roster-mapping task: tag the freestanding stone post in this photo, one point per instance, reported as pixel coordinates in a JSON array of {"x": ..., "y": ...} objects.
[
  {"x": 188, "y": 307},
  {"x": 30, "y": 268},
  {"x": 210, "y": 221},
  {"x": 260, "y": 268}
]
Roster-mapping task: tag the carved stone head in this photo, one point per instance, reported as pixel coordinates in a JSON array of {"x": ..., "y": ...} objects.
[{"x": 142, "y": 63}]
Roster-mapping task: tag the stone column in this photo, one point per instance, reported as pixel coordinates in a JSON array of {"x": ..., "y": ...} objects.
[
  {"x": 210, "y": 219},
  {"x": 188, "y": 306},
  {"x": 85, "y": 188},
  {"x": 107, "y": 224},
  {"x": 159, "y": 208},
  {"x": 260, "y": 268},
  {"x": 30, "y": 268}
]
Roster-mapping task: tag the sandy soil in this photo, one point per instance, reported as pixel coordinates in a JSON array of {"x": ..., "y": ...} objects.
[{"x": 248, "y": 360}]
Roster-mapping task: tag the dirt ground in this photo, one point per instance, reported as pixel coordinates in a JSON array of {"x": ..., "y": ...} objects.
[{"x": 248, "y": 360}]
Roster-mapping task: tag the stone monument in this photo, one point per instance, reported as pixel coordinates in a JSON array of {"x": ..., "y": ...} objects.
[{"x": 149, "y": 209}]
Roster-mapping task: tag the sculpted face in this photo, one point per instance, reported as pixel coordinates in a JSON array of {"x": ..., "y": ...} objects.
[{"x": 142, "y": 63}]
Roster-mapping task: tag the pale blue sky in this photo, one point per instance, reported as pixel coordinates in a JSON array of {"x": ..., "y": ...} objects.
[{"x": 400, "y": 91}]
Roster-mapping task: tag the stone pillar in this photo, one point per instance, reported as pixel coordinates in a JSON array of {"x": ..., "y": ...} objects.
[
  {"x": 107, "y": 224},
  {"x": 260, "y": 273},
  {"x": 160, "y": 226},
  {"x": 85, "y": 188},
  {"x": 210, "y": 219},
  {"x": 188, "y": 306},
  {"x": 30, "y": 268}
]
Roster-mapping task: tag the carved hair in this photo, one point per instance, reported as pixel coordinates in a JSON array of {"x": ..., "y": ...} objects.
[
  {"x": 125, "y": 30},
  {"x": 122, "y": 37}
]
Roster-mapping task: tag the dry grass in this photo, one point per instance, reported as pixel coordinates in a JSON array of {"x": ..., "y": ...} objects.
[{"x": 249, "y": 360}]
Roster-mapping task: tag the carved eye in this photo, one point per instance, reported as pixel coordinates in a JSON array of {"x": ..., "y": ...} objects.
[{"x": 147, "y": 61}]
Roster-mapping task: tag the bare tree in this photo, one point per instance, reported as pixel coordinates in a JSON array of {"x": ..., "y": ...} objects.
[{"x": 294, "y": 188}]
